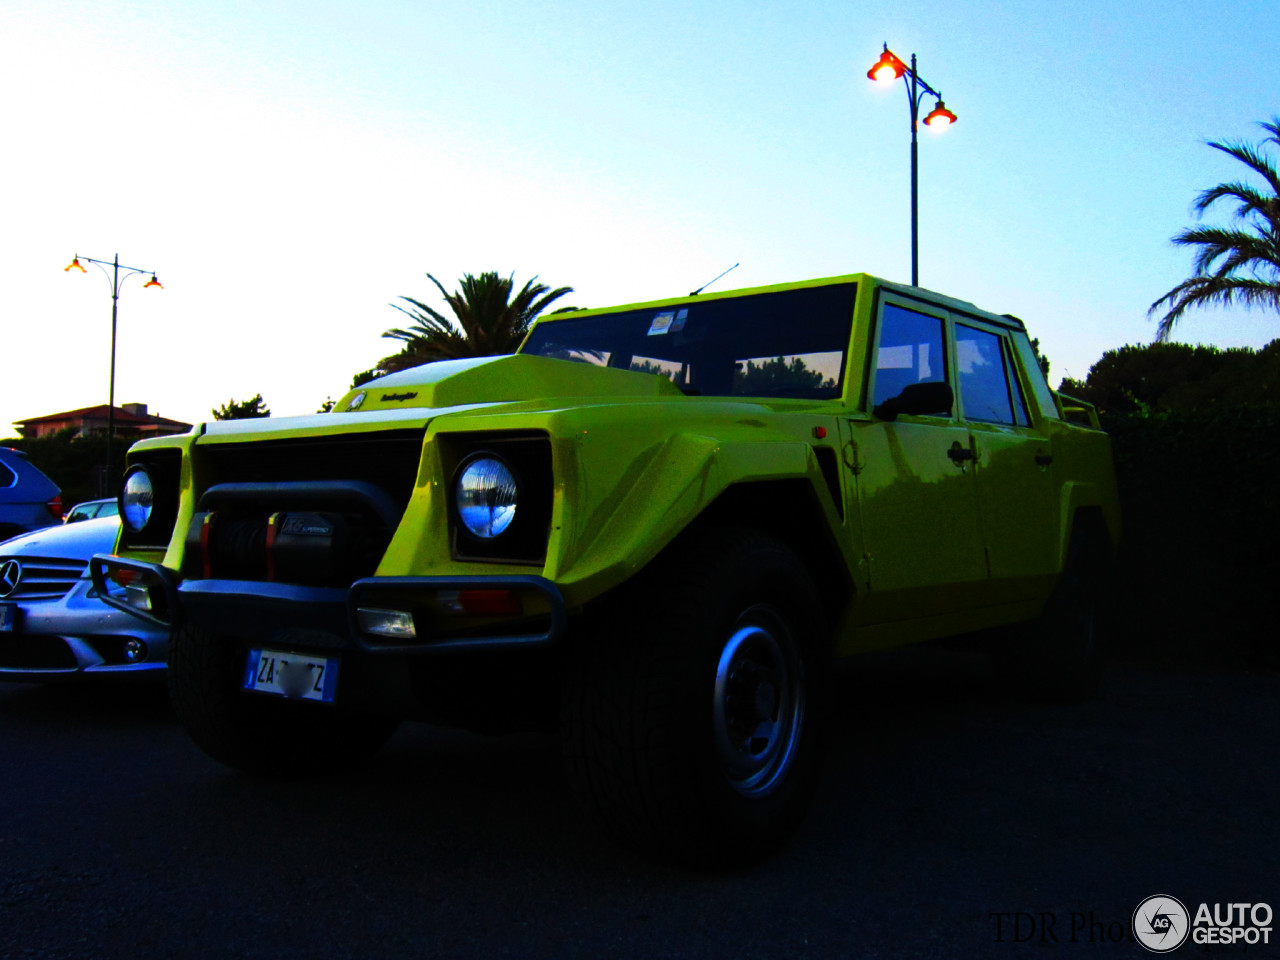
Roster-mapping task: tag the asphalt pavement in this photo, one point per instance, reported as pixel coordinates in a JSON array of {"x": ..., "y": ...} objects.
[{"x": 953, "y": 822}]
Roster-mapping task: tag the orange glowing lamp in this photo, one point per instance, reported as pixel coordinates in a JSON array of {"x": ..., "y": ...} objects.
[
  {"x": 75, "y": 264},
  {"x": 940, "y": 116},
  {"x": 887, "y": 68},
  {"x": 153, "y": 282}
]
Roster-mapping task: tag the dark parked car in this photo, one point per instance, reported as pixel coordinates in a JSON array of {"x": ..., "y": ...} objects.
[
  {"x": 28, "y": 499},
  {"x": 52, "y": 624}
]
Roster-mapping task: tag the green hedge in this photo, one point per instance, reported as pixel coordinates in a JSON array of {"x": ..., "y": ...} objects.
[{"x": 1198, "y": 562}]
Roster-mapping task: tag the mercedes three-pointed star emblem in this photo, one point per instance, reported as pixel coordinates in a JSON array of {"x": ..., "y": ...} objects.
[{"x": 10, "y": 575}]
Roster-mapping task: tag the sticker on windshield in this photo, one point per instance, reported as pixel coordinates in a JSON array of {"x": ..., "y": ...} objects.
[
  {"x": 661, "y": 323},
  {"x": 668, "y": 321}
]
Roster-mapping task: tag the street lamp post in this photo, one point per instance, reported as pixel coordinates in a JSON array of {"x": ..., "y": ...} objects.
[
  {"x": 885, "y": 70},
  {"x": 114, "y": 276}
]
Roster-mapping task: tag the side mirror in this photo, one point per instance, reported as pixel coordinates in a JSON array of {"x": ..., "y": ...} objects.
[{"x": 918, "y": 400}]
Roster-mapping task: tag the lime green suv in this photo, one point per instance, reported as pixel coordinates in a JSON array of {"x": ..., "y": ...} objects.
[{"x": 654, "y": 527}]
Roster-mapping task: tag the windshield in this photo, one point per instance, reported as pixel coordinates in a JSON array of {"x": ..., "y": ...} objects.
[{"x": 790, "y": 343}]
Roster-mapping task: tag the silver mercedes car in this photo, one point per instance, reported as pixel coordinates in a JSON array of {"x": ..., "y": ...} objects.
[{"x": 52, "y": 624}]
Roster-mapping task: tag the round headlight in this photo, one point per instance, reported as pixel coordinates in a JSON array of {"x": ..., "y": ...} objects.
[
  {"x": 486, "y": 497},
  {"x": 136, "y": 499}
]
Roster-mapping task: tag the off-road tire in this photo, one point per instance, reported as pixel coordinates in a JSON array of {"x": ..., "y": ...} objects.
[
  {"x": 1059, "y": 657},
  {"x": 254, "y": 732},
  {"x": 695, "y": 702}
]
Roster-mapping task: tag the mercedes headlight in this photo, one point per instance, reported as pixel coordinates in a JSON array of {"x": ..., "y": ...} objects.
[
  {"x": 485, "y": 495},
  {"x": 137, "y": 498}
]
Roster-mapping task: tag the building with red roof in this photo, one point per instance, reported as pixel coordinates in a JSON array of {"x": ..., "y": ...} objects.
[{"x": 131, "y": 419}]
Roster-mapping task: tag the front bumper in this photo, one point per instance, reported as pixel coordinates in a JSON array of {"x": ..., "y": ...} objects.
[
  {"x": 76, "y": 637},
  {"x": 447, "y": 614}
]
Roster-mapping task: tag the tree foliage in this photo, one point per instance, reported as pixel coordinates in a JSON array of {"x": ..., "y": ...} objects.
[
  {"x": 778, "y": 377},
  {"x": 1163, "y": 377},
  {"x": 1041, "y": 359},
  {"x": 489, "y": 318},
  {"x": 1197, "y": 567},
  {"x": 1239, "y": 264},
  {"x": 76, "y": 464},
  {"x": 361, "y": 378},
  {"x": 250, "y": 409}
]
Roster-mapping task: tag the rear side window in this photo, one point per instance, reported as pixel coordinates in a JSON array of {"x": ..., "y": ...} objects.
[
  {"x": 910, "y": 351},
  {"x": 987, "y": 392}
]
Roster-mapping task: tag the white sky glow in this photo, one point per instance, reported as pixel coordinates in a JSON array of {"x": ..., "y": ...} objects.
[{"x": 289, "y": 169}]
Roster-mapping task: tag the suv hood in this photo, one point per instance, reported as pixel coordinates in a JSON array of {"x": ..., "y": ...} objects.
[
  {"x": 412, "y": 397},
  {"x": 450, "y": 383}
]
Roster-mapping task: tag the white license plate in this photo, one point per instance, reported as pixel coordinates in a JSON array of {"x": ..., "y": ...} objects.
[
  {"x": 8, "y": 617},
  {"x": 294, "y": 675}
]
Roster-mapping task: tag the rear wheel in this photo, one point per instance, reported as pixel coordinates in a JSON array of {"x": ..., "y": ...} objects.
[
  {"x": 694, "y": 704},
  {"x": 1059, "y": 656},
  {"x": 254, "y": 732}
]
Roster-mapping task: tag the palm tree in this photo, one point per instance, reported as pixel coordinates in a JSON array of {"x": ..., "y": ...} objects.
[
  {"x": 1233, "y": 265},
  {"x": 487, "y": 320}
]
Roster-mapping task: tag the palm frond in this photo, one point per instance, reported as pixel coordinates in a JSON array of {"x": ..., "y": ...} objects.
[
  {"x": 1250, "y": 201},
  {"x": 488, "y": 319},
  {"x": 1213, "y": 291},
  {"x": 1239, "y": 265},
  {"x": 1253, "y": 158},
  {"x": 1239, "y": 248}
]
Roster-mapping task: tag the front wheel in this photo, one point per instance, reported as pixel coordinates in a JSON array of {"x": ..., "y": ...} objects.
[
  {"x": 694, "y": 703},
  {"x": 256, "y": 733}
]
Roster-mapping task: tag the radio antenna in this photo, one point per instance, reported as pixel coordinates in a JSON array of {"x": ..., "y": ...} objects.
[{"x": 709, "y": 283}]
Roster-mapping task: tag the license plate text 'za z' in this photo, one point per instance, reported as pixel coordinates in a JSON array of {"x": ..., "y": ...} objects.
[{"x": 293, "y": 675}]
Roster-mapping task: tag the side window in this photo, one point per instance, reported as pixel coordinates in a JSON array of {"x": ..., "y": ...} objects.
[
  {"x": 910, "y": 351},
  {"x": 986, "y": 392},
  {"x": 7, "y": 477}
]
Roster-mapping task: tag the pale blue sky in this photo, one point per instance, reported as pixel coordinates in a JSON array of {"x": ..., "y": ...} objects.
[{"x": 289, "y": 168}]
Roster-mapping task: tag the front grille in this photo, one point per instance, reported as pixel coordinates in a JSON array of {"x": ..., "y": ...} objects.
[
  {"x": 388, "y": 460},
  {"x": 44, "y": 578},
  {"x": 315, "y": 511},
  {"x": 18, "y": 652}
]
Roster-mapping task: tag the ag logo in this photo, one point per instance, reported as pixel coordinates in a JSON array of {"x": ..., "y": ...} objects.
[
  {"x": 10, "y": 576},
  {"x": 1161, "y": 924}
]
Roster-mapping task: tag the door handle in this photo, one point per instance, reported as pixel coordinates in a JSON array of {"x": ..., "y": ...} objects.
[
  {"x": 1044, "y": 459},
  {"x": 959, "y": 454}
]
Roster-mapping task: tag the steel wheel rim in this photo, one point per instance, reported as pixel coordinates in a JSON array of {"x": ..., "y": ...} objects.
[{"x": 759, "y": 703}]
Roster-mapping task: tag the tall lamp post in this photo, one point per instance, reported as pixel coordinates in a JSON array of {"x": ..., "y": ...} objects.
[
  {"x": 885, "y": 70},
  {"x": 114, "y": 276}
]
